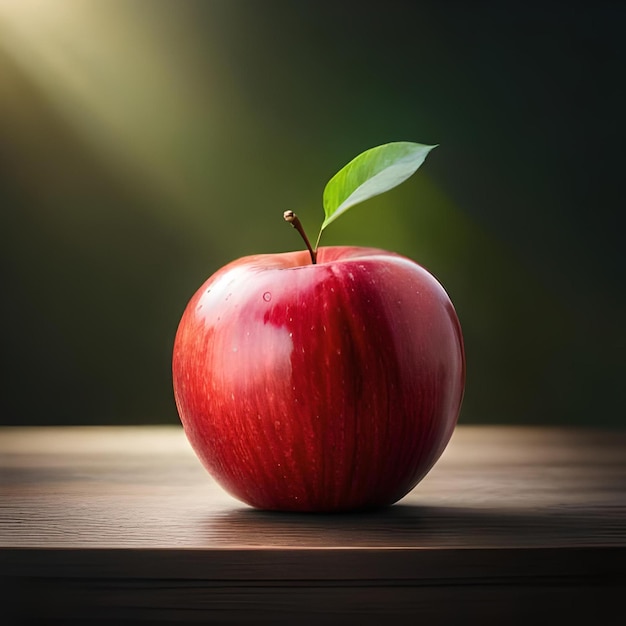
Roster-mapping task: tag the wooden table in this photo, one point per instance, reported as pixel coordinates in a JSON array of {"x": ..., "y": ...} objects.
[{"x": 123, "y": 525}]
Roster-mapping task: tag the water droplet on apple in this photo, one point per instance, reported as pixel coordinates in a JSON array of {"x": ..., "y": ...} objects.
[{"x": 267, "y": 296}]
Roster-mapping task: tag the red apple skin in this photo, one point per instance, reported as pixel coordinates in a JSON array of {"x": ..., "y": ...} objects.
[{"x": 327, "y": 387}]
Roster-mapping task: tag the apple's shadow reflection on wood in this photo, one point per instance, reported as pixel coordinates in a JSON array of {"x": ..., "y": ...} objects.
[{"x": 415, "y": 526}]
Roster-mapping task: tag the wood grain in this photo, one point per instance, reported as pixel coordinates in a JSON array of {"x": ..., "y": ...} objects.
[{"x": 123, "y": 524}]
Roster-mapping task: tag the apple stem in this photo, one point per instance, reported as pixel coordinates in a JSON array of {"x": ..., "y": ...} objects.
[{"x": 292, "y": 218}]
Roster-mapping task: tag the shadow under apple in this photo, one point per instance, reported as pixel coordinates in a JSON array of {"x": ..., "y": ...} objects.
[{"x": 414, "y": 526}]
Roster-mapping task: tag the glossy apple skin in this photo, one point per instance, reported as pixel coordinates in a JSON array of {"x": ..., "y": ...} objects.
[{"x": 327, "y": 387}]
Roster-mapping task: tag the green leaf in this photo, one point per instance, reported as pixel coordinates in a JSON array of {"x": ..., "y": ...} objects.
[{"x": 371, "y": 173}]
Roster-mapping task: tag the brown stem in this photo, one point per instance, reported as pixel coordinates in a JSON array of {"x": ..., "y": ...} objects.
[{"x": 292, "y": 218}]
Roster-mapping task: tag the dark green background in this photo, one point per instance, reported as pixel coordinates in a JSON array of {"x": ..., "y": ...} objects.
[{"x": 145, "y": 144}]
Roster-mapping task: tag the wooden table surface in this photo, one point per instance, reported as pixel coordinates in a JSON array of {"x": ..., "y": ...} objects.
[{"x": 123, "y": 525}]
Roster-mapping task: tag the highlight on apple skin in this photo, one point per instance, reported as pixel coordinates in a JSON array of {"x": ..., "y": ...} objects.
[{"x": 332, "y": 386}]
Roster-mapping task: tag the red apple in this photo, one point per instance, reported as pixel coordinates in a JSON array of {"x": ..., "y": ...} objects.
[{"x": 319, "y": 387}]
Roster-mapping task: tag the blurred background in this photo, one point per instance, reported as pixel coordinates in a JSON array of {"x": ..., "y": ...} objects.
[{"x": 143, "y": 144}]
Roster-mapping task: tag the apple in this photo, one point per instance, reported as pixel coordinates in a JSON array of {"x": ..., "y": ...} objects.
[
  {"x": 323, "y": 387},
  {"x": 320, "y": 381}
]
